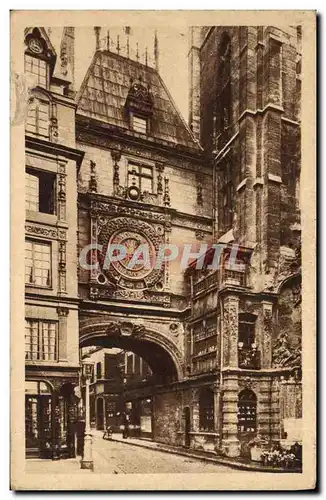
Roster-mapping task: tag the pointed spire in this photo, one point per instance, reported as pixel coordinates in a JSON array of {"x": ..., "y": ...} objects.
[
  {"x": 137, "y": 52},
  {"x": 97, "y": 30},
  {"x": 108, "y": 40},
  {"x": 128, "y": 48},
  {"x": 146, "y": 56},
  {"x": 156, "y": 51}
]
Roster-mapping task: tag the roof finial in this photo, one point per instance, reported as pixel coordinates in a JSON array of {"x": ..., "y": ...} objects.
[
  {"x": 137, "y": 52},
  {"x": 128, "y": 46},
  {"x": 97, "y": 30},
  {"x": 156, "y": 51},
  {"x": 108, "y": 40},
  {"x": 146, "y": 56},
  {"x": 118, "y": 44}
]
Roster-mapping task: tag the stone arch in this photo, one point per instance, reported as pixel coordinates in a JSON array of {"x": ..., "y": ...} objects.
[{"x": 160, "y": 352}]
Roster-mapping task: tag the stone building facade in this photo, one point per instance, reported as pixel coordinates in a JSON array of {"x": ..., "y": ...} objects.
[
  {"x": 51, "y": 300},
  {"x": 223, "y": 344}
]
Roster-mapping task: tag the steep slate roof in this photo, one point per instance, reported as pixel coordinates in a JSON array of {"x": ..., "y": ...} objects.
[{"x": 104, "y": 90}]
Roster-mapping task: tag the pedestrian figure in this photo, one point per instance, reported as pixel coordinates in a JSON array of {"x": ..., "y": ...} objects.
[{"x": 125, "y": 423}]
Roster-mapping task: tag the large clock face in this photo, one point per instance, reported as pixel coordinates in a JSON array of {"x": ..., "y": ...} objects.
[{"x": 138, "y": 259}]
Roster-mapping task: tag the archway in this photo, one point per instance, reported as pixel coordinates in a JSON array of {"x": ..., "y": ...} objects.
[{"x": 160, "y": 353}]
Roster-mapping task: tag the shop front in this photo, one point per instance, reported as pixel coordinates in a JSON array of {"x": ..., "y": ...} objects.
[{"x": 51, "y": 419}]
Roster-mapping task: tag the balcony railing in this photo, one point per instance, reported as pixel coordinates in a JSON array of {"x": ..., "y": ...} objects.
[{"x": 249, "y": 358}]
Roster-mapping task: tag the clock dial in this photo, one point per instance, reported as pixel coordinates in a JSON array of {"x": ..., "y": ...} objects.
[{"x": 35, "y": 46}]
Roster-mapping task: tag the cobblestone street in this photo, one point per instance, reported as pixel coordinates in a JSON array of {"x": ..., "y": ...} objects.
[{"x": 123, "y": 458}]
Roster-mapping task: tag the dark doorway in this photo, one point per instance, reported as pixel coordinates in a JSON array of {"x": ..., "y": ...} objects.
[
  {"x": 187, "y": 426},
  {"x": 100, "y": 414}
]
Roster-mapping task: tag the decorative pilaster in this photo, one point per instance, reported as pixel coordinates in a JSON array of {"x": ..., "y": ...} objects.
[
  {"x": 61, "y": 190},
  {"x": 199, "y": 183},
  {"x": 116, "y": 156},
  {"x": 217, "y": 413},
  {"x": 92, "y": 186},
  {"x": 62, "y": 268},
  {"x": 160, "y": 170},
  {"x": 264, "y": 409},
  {"x": 266, "y": 335},
  {"x": 230, "y": 331},
  {"x": 93, "y": 252},
  {"x": 230, "y": 442},
  {"x": 62, "y": 333},
  {"x": 166, "y": 264}
]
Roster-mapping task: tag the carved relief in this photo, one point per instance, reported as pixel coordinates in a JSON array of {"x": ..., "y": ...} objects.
[
  {"x": 92, "y": 186},
  {"x": 230, "y": 334},
  {"x": 47, "y": 232},
  {"x": 285, "y": 354}
]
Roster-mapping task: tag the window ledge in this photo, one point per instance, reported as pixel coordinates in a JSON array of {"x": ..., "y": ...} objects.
[{"x": 41, "y": 217}]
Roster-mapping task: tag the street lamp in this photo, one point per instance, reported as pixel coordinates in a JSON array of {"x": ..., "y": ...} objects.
[{"x": 87, "y": 460}]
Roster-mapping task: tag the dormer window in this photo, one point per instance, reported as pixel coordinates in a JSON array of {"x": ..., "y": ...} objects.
[
  {"x": 39, "y": 57},
  {"x": 139, "y": 106},
  {"x": 139, "y": 124}
]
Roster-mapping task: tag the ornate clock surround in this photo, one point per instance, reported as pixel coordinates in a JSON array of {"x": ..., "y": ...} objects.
[{"x": 126, "y": 225}]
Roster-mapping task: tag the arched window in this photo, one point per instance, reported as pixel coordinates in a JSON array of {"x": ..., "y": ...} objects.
[
  {"x": 206, "y": 410},
  {"x": 247, "y": 410},
  {"x": 224, "y": 84}
]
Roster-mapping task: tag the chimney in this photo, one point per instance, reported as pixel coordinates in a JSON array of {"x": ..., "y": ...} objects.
[{"x": 67, "y": 54}]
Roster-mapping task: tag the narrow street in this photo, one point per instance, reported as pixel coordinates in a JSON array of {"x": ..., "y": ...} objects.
[{"x": 123, "y": 458}]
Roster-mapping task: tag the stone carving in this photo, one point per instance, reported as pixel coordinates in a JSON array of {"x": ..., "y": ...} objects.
[
  {"x": 116, "y": 156},
  {"x": 47, "y": 232},
  {"x": 107, "y": 208},
  {"x": 42, "y": 231},
  {"x": 54, "y": 123},
  {"x": 166, "y": 198},
  {"x": 160, "y": 170},
  {"x": 61, "y": 197},
  {"x": 62, "y": 267},
  {"x": 230, "y": 334},
  {"x": 296, "y": 292},
  {"x": 62, "y": 311},
  {"x": 285, "y": 355}
]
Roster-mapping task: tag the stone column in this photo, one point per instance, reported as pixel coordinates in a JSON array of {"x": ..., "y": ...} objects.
[
  {"x": 62, "y": 333},
  {"x": 230, "y": 442},
  {"x": 217, "y": 415}
]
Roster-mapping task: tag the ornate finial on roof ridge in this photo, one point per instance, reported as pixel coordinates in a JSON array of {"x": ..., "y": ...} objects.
[
  {"x": 97, "y": 30},
  {"x": 108, "y": 40}
]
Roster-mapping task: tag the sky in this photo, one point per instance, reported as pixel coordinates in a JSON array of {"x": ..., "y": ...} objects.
[{"x": 173, "y": 50}]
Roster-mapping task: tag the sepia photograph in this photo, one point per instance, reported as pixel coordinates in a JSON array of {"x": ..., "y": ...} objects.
[{"x": 159, "y": 184}]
